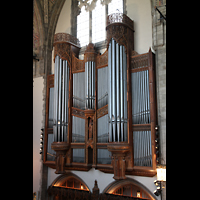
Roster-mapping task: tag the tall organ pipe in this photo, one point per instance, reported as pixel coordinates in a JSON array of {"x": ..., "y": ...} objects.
[
  {"x": 109, "y": 92},
  {"x": 113, "y": 91},
  {"x": 90, "y": 84},
  {"x": 117, "y": 100},
  {"x": 61, "y": 85}
]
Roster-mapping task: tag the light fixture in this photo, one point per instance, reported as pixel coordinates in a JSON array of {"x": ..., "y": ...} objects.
[
  {"x": 157, "y": 192},
  {"x": 156, "y": 182},
  {"x": 138, "y": 193},
  {"x": 41, "y": 140},
  {"x": 161, "y": 174},
  {"x": 156, "y": 140}
]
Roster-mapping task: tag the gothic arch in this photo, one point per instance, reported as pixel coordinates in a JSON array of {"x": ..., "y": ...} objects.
[
  {"x": 56, "y": 9},
  {"x": 38, "y": 28},
  {"x": 112, "y": 187}
]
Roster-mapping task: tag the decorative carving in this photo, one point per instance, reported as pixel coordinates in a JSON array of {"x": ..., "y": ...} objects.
[
  {"x": 63, "y": 50},
  {"x": 120, "y": 28},
  {"x": 95, "y": 191},
  {"x": 77, "y": 65},
  {"x": 68, "y": 193},
  {"x": 90, "y": 133},
  {"x": 139, "y": 61},
  {"x": 102, "y": 60},
  {"x": 64, "y": 44},
  {"x": 66, "y": 37},
  {"x": 102, "y": 111},
  {"x": 90, "y": 53},
  {"x": 119, "y": 18},
  {"x": 78, "y": 113},
  {"x": 134, "y": 53}
]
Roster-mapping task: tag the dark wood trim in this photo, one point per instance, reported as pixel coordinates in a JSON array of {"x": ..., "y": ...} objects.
[
  {"x": 139, "y": 69},
  {"x": 102, "y": 111},
  {"x": 153, "y": 116},
  {"x": 141, "y": 127}
]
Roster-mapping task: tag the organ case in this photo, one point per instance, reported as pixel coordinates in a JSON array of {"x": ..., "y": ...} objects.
[{"x": 103, "y": 107}]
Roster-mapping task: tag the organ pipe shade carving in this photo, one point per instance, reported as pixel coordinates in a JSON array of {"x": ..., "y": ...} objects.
[
  {"x": 61, "y": 90},
  {"x": 117, "y": 90}
]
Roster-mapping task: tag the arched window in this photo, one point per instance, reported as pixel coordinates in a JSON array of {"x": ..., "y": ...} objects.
[
  {"x": 69, "y": 186},
  {"x": 130, "y": 188},
  {"x": 91, "y": 22},
  {"x": 71, "y": 181}
]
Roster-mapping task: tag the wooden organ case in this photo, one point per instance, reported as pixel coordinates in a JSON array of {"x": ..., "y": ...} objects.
[{"x": 101, "y": 111}]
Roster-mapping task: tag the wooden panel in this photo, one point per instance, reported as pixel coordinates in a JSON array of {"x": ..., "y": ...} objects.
[
  {"x": 141, "y": 127},
  {"x": 102, "y": 60},
  {"x": 102, "y": 111},
  {"x": 77, "y": 65},
  {"x": 78, "y": 113}
]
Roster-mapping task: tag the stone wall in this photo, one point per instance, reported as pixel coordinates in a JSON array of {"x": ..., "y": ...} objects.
[{"x": 159, "y": 46}]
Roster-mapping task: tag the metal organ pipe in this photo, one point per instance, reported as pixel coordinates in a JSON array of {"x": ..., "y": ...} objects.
[
  {"x": 117, "y": 98},
  {"x": 109, "y": 92},
  {"x": 140, "y": 97},
  {"x": 61, "y": 85},
  {"x": 113, "y": 92},
  {"x": 90, "y": 84}
]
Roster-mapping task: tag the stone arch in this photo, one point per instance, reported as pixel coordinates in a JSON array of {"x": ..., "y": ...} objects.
[
  {"x": 56, "y": 10},
  {"x": 38, "y": 28},
  {"x": 38, "y": 39},
  {"x": 120, "y": 183}
]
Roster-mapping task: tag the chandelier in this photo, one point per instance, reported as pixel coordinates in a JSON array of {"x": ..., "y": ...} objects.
[{"x": 91, "y": 4}]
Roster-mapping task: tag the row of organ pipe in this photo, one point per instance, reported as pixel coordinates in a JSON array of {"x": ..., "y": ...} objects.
[
  {"x": 142, "y": 148},
  {"x": 140, "y": 97},
  {"x": 90, "y": 85},
  {"x": 61, "y": 90},
  {"x": 117, "y": 90},
  {"x": 84, "y": 87},
  {"x": 102, "y": 84},
  {"x": 79, "y": 90}
]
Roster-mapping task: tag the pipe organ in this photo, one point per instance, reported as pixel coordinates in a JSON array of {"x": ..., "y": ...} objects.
[
  {"x": 101, "y": 111},
  {"x": 61, "y": 90},
  {"x": 117, "y": 98}
]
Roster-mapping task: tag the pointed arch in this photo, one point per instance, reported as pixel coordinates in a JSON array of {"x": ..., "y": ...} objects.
[
  {"x": 55, "y": 13},
  {"x": 38, "y": 28}
]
